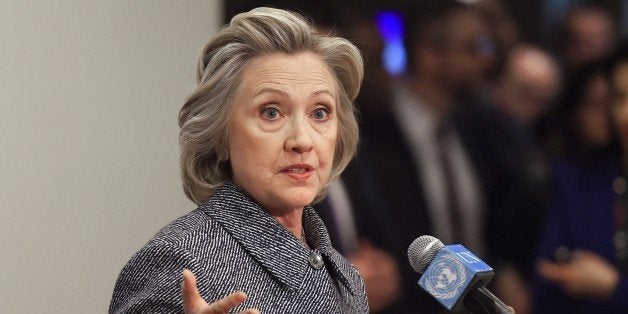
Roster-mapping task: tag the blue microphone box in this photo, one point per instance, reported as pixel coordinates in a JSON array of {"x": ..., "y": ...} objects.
[{"x": 453, "y": 272}]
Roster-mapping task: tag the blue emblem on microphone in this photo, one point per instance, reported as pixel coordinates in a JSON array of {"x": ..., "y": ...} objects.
[
  {"x": 446, "y": 277},
  {"x": 452, "y": 273}
]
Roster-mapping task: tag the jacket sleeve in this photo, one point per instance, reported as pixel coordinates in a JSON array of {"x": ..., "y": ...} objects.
[{"x": 151, "y": 281}]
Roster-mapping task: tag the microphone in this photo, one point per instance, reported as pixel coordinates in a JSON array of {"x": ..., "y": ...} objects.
[{"x": 454, "y": 276}]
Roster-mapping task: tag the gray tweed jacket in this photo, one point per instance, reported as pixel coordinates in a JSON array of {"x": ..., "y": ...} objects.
[{"x": 230, "y": 243}]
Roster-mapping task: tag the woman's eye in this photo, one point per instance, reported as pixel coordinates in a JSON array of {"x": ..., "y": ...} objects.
[
  {"x": 270, "y": 113},
  {"x": 321, "y": 114}
]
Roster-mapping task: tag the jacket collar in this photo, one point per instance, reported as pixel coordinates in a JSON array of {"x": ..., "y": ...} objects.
[{"x": 268, "y": 242}]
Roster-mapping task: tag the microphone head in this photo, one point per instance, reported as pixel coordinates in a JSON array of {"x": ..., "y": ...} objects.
[{"x": 422, "y": 251}]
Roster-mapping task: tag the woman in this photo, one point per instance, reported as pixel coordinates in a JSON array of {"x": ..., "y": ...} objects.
[
  {"x": 580, "y": 125},
  {"x": 582, "y": 266},
  {"x": 269, "y": 127}
]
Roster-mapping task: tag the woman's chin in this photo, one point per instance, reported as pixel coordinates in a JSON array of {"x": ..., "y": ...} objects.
[
  {"x": 297, "y": 199},
  {"x": 306, "y": 197}
]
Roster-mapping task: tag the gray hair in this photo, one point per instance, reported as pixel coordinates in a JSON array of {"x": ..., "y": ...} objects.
[{"x": 204, "y": 118}]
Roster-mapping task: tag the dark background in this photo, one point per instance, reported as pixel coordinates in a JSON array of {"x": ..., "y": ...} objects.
[{"x": 534, "y": 25}]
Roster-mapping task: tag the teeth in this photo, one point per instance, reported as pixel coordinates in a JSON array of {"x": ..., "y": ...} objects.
[{"x": 297, "y": 170}]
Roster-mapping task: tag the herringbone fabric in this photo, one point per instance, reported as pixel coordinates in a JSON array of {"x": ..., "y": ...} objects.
[{"x": 230, "y": 243}]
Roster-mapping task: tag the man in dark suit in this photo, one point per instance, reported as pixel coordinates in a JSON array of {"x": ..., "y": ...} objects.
[{"x": 437, "y": 160}]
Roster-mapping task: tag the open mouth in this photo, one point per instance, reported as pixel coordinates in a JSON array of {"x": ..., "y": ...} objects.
[{"x": 299, "y": 172}]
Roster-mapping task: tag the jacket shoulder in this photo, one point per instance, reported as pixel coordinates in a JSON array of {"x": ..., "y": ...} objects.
[{"x": 151, "y": 279}]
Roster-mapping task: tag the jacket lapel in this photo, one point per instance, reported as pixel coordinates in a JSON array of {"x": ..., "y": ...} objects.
[{"x": 269, "y": 243}]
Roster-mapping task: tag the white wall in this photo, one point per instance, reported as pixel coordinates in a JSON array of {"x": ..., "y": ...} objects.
[{"x": 89, "y": 95}]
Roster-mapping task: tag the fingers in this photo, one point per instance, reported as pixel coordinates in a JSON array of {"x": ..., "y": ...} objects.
[
  {"x": 227, "y": 303},
  {"x": 562, "y": 275},
  {"x": 553, "y": 271},
  {"x": 193, "y": 302},
  {"x": 586, "y": 274}
]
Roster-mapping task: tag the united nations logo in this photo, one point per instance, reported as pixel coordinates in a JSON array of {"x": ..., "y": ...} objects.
[{"x": 445, "y": 277}]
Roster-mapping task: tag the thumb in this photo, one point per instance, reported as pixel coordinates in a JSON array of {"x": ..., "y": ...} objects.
[{"x": 192, "y": 299}]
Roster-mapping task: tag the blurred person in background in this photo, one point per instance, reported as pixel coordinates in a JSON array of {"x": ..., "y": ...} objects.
[
  {"x": 524, "y": 92},
  {"x": 588, "y": 32},
  {"x": 583, "y": 256},
  {"x": 528, "y": 85},
  {"x": 579, "y": 125},
  {"x": 436, "y": 159}
]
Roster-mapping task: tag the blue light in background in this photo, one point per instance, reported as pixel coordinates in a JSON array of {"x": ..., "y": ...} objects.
[
  {"x": 391, "y": 29},
  {"x": 389, "y": 24}
]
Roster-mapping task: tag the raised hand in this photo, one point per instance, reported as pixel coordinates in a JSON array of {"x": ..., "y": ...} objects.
[
  {"x": 193, "y": 303},
  {"x": 586, "y": 274}
]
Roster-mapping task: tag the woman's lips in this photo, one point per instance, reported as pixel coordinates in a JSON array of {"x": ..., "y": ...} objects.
[{"x": 298, "y": 172}]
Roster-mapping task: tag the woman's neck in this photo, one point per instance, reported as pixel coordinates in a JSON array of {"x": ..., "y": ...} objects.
[{"x": 291, "y": 220}]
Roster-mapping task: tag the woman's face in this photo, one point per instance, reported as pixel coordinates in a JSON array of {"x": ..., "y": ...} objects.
[
  {"x": 283, "y": 130},
  {"x": 593, "y": 114}
]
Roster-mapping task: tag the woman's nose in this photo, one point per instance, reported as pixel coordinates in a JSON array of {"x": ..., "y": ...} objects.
[{"x": 299, "y": 138}]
